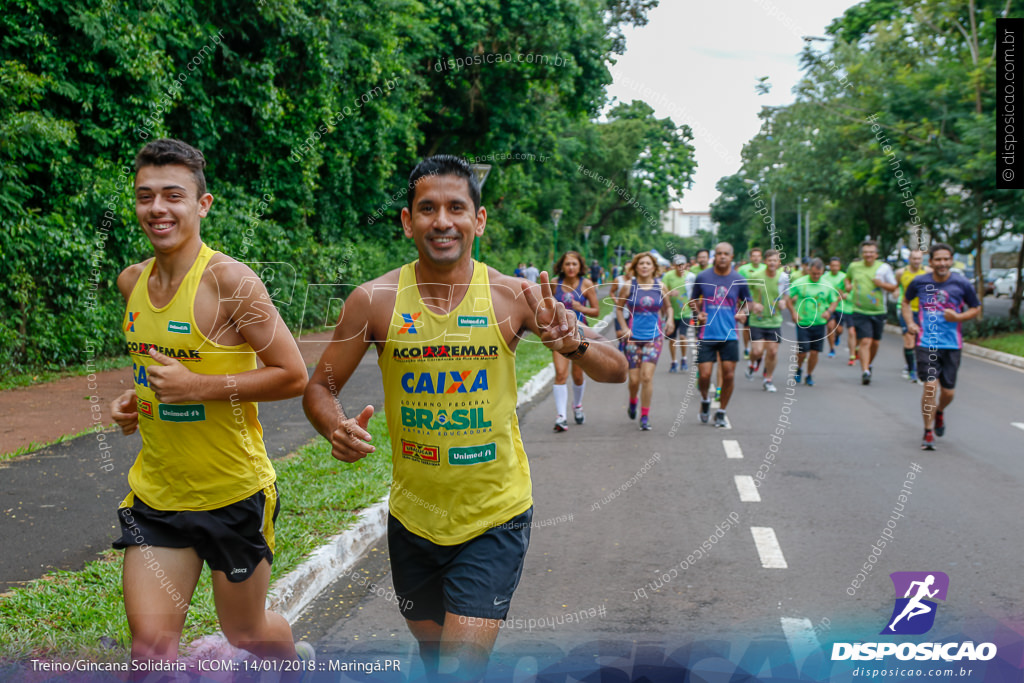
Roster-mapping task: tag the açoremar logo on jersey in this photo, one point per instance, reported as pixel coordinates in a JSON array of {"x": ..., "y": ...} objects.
[
  {"x": 914, "y": 612},
  {"x": 409, "y": 320}
]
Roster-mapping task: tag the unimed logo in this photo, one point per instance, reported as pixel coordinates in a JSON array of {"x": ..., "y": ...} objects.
[{"x": 914, "y": 614}]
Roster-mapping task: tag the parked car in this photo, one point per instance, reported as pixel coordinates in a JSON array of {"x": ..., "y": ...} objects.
[
  {"x": 1006, "y": 285},
  {"x": 991, "y": 276}
]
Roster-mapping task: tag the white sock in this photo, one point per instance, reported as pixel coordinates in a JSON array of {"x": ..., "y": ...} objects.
[
  {"x": 577, "y": 393},
  {"x": 561, "y": 392}
]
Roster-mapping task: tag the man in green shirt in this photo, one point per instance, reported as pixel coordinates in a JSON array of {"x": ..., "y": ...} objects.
[
  {"x": 867, "y": 281},
  {"x": 752, "y": 268},
  {"x": 768, "y": 287},
  {"x": 811, "y": 302},
  {"x": 835, "y": 277},
  {"x": 675, "y": 281}
]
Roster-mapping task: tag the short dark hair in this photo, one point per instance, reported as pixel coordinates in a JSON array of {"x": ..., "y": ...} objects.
[
  {"x": 939, "y": 246},
  {"x": 167, "y": 152},
  {"x": 836, "y": 258},
  {"x": 445, "y": 164},
  {"x": 756, "y": 249},
  {"x": 768, "y": 254},
  {"x": 869, "y": 243},
  {"x": 703, "y": 250}
]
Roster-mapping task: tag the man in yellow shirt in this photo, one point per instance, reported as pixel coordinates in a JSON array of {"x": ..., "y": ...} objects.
[
  {"x": 202, "y": 488},
  {"x": 904, "y": 276},
  {"x": 445, "y": 329}
]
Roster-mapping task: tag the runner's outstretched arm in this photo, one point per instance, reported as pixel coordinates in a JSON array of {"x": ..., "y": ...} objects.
[
  {"x": 559, "y": 331},
  {"x": 348, "y": 436}
]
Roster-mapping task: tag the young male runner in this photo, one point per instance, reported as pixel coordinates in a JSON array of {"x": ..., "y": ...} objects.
[
  {"x": 719, "y": 293},
  {"x": 768, "y": 289},
  {"x": 904, "y": 276},
  {"x": 836, "y": 278},
  {"x": 947, "y": 299},
  {"x": 445, "y": 328},
  {"x": 202, "y": 488},
  {"x": 676, "y": 282},
  {"x": 867, "y": 281},
  {"x": 752, "y": 268},
  {"x": 811, "y": 302}
]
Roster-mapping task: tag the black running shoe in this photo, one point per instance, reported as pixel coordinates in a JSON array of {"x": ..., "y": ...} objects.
[
  {"x": 940, "y": 424},
  {"x": 720, "y": 418},
  {"x": 705, "y": 411},
  {"x": 865, "y": 379}
]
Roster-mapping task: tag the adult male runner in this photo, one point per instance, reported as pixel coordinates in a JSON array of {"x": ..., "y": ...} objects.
[
  {"x": 947, "y": 299},
  {"x": 676, "y": 282},
  {"x": 720, "y": 294},
  {"x": 445, "y": 328},
  {"x": 768, "y": 289},
  {"x": 867, "y": 281},
  {"x": 202, "y": 488},
  {"x": 836, "y": 278},
  {"x": 752, "y": 268},
  {"x": 904, "y": 275},
  {"x": 811, "y": 302},
  {"x": 703, "y": 262}
]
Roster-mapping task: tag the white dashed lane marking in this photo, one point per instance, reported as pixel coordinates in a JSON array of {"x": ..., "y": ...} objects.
[
  {"x": 1018, "y": 425},
  {"x": 800, "y": 636},
  {"x": 748, "y": 492},
  {"x": 732, "y": 449},
  {"x": 768, "y": 547}
]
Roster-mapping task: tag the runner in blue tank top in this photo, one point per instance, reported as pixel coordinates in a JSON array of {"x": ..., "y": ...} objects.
[
  {"x": 719, "y": 293},
  {"x": 579, "y": 296},
  {"x": 646, "y": 298}
]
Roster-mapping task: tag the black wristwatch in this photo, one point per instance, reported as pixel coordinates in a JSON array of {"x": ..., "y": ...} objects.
[{"x": 581, "y": 349}]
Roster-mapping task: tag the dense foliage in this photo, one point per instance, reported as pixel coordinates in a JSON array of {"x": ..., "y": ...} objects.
[{"x": 311, "y": 114}]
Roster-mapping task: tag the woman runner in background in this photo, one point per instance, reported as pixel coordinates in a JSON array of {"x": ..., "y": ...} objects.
[
  {"x": 647, "y": 301},
  {"x": 578, "y": 295}
]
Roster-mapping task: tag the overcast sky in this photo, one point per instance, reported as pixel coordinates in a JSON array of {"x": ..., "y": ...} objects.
[{"x": 697, "y": 61}]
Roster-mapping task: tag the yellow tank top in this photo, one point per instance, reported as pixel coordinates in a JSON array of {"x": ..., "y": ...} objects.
[
  {"x": 458, "y": 462},
  {"x": 195, "y": 456},
  {"x": 905, "y": 279}
]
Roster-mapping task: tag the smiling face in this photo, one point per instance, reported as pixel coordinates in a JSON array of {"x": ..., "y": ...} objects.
[
  {"x": 869, "y": 253},
  {"x": 442, "y": 222},
  {"x": 772, "y": 263},
  {"x": 168, "y": 206},
  {"x": 941, "y": 262}
]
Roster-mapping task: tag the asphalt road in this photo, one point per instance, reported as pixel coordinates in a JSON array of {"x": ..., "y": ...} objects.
[
  {"x": 59, "y": 503},
  {"x": 617, "y": 509}
]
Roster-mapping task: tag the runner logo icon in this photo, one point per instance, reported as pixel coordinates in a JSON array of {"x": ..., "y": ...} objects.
[{"x": 914, "y": 612}]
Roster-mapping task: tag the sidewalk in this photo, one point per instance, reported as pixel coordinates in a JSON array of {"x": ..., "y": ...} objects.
[{"x": 67, "y": 494}]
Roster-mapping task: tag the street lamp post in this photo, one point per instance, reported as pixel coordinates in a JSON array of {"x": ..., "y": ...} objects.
[
  {"x": 586, "y": 241},
  {"x": 556, "y": 215},
  {"x": 605, "y": 239},
  {"x": 481, "y": 171}
]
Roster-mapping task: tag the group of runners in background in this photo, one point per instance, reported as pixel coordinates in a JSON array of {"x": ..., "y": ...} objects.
[{"x": 724, "y": 303}]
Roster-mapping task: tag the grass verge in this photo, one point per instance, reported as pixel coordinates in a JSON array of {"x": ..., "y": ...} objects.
[
  {"x": 65, "y": 614},
  {"x": 37, "y": 445},
  {"x": 1007, "y": 343}
]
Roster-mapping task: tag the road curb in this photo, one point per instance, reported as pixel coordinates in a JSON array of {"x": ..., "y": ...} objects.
[
  {"x": 293, "y": 592},
  {"x": 976, "y": 350}
]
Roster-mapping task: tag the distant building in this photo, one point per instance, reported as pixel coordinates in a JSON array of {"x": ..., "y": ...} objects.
[{"x": 687, "y": 223}]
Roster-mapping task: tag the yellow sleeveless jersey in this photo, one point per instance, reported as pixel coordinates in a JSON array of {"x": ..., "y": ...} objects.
[
  {"x": 905, "y": 279},
  {"x": 458, "y": 462},
  {"x": 195, "y": 456}
]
